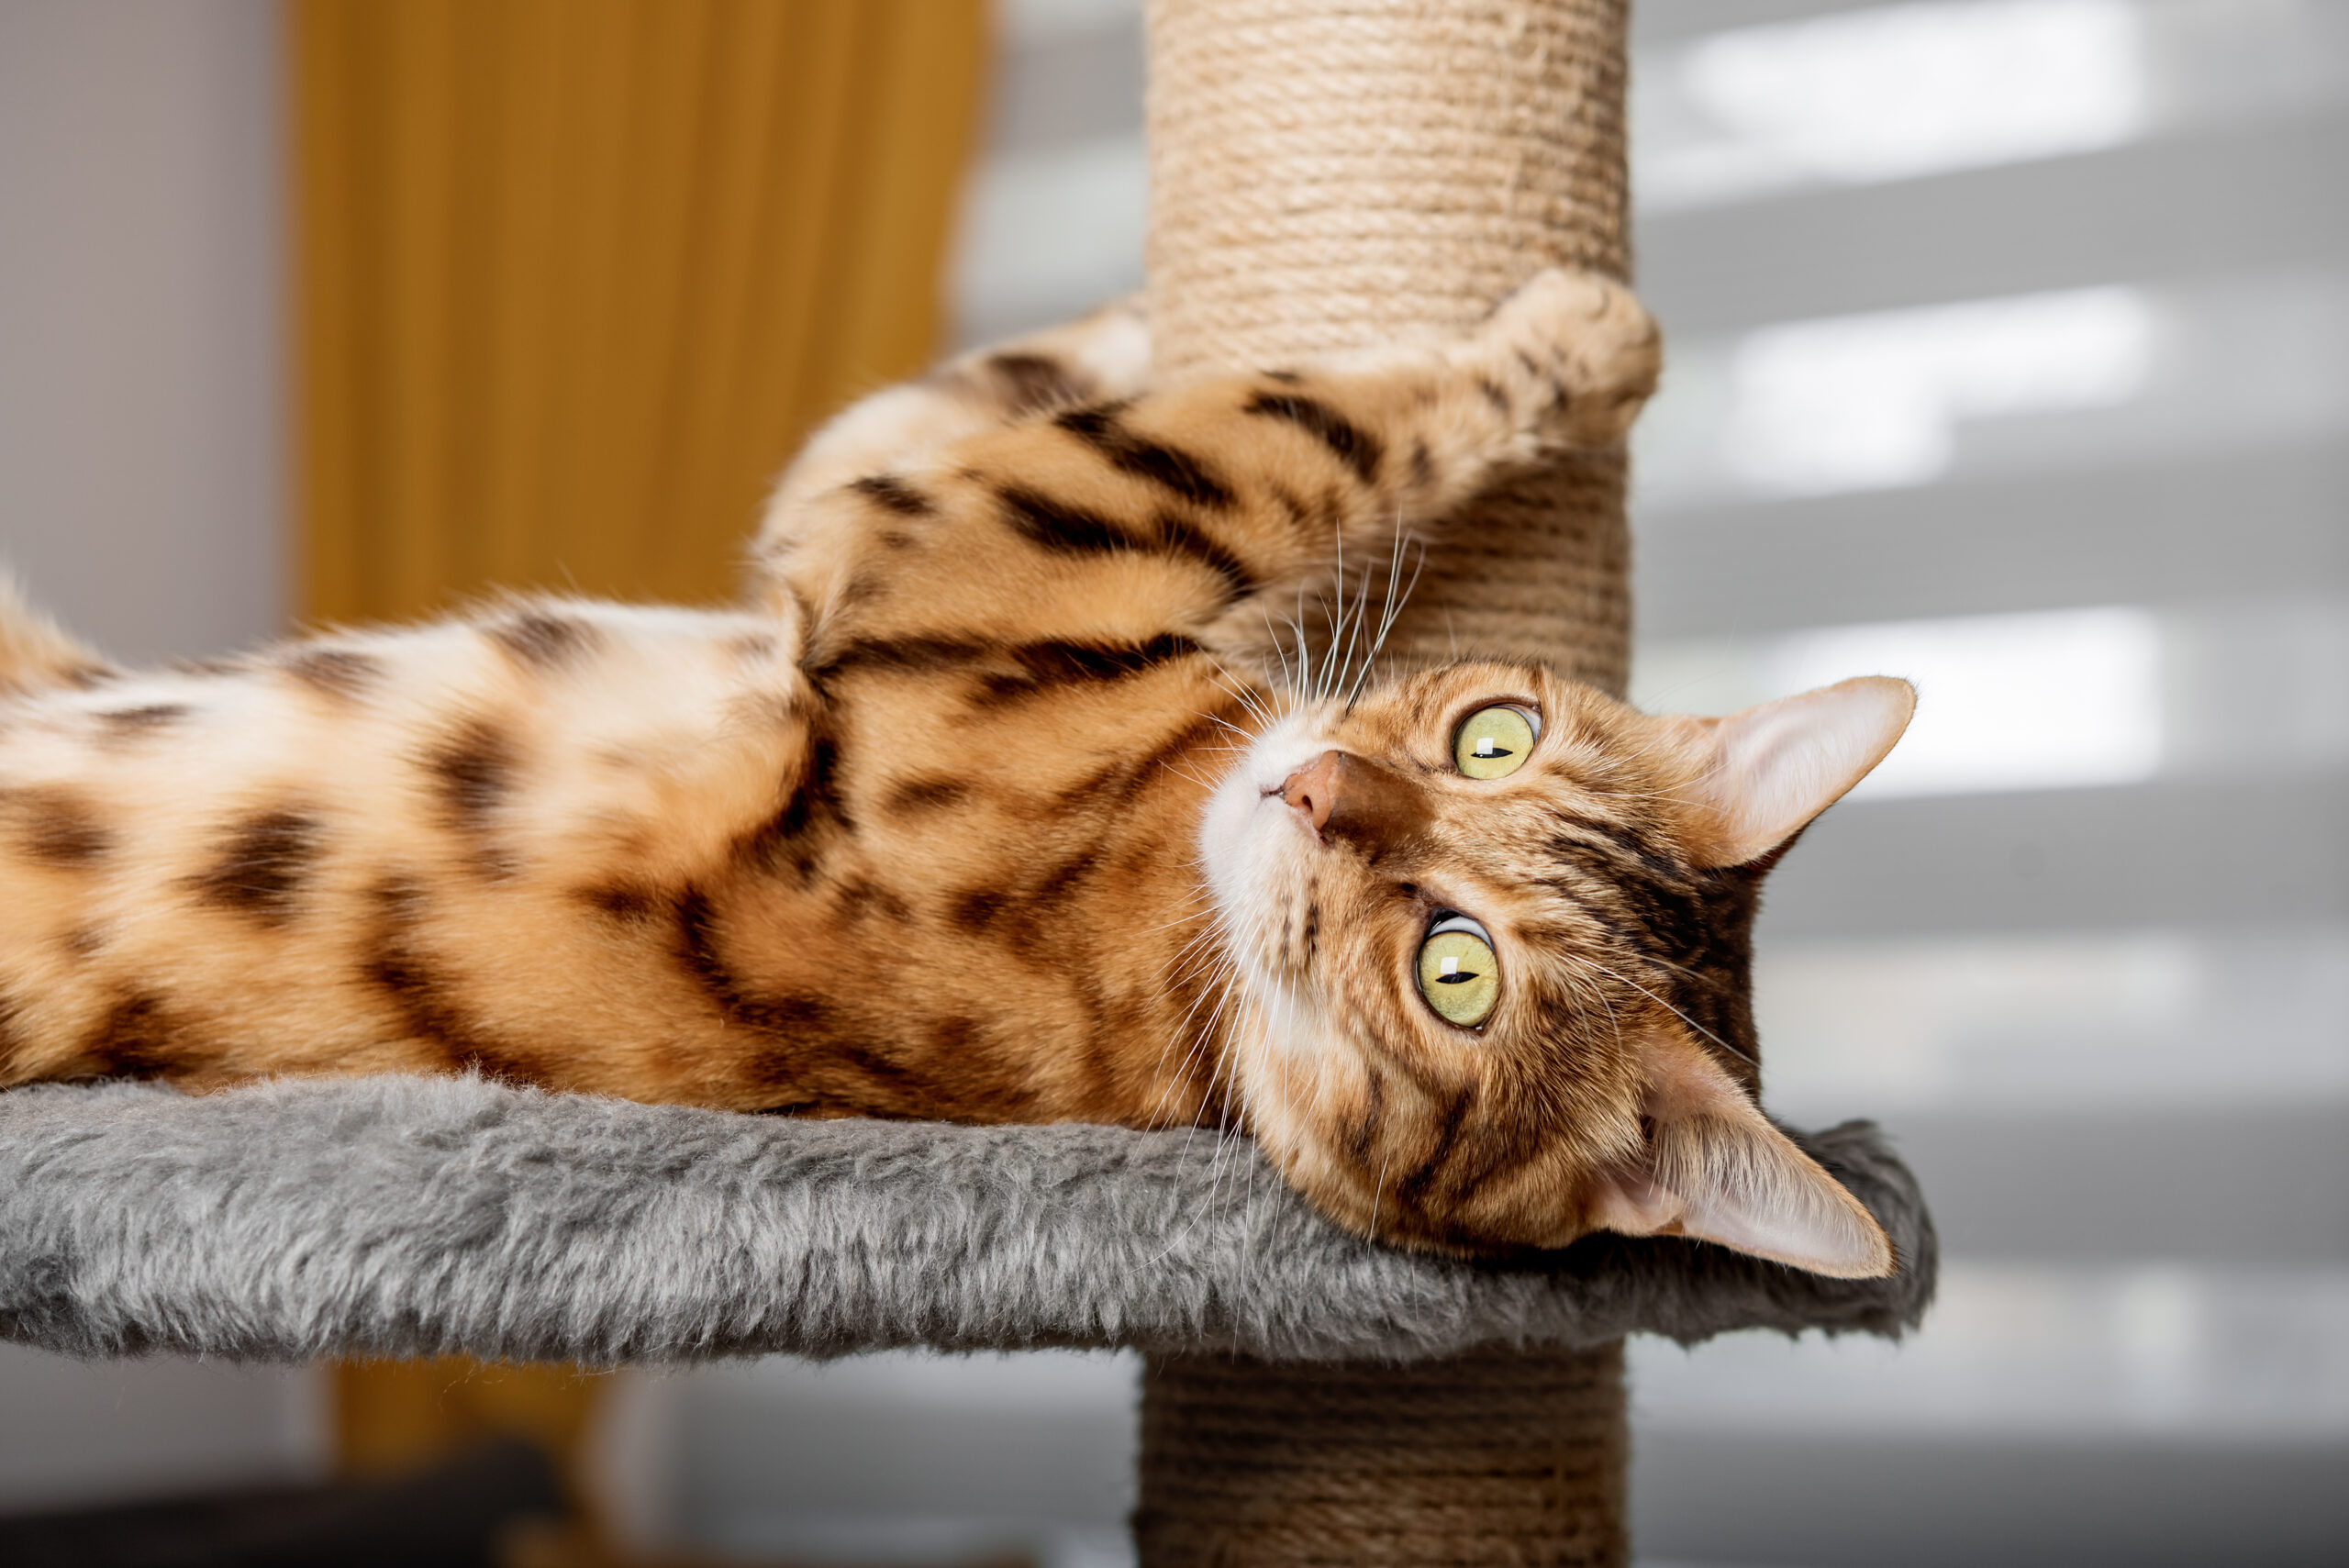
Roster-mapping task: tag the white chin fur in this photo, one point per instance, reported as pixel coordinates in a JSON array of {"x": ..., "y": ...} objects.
[
  {"x": 1254, "y": 847},
  {"x": 1251, "y": 843}
]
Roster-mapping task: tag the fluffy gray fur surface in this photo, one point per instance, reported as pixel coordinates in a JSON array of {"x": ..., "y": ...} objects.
[{"x": 406, "y": 1217}]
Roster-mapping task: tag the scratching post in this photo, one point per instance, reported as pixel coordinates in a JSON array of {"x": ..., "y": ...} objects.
[
  {"x": 1498, "y": 1456},
  {"x": 1330, "y": 174},
  {"x": 1325, "y": 174}
]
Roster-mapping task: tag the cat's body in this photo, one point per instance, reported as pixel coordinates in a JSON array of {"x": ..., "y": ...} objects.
[{"x": 978, "y": 811}]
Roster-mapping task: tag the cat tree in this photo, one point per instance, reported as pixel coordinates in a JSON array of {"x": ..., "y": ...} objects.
[{"x": 1325, "y": 172}]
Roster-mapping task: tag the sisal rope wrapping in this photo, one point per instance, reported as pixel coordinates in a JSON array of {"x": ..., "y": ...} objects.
[
  {"x": 1330, "y": 174},
  {"x": 1326, "y": 174},
  {"x": 1500, "y": 1458}
]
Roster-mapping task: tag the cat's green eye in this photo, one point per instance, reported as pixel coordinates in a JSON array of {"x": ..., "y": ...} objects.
[
  {"x": 1493, "y": 743},
  {"x": 1458, "y": 973}
]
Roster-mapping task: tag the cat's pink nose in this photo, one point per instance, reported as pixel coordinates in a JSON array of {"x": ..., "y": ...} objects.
[{"x": 1313, "y": 789}]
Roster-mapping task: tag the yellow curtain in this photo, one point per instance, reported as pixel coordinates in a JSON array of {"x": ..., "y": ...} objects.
[{"x": 575, "y": 276}]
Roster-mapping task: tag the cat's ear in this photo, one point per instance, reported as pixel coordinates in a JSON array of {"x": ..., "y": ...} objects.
[
  {"x": 1712, "y": 1167},
  {"x": 1771, "y": 769}
]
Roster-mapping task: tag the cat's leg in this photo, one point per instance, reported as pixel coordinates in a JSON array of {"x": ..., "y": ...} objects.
[
  {"x": 1104, "y": 354},
  {"x": 1420, "y": 429},
  {"x": 1198, "y": 512},
  {"x": 1401, "y": 437}
]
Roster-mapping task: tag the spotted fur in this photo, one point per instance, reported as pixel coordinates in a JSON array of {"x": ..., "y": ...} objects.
[{"x": 917, "y": 831}]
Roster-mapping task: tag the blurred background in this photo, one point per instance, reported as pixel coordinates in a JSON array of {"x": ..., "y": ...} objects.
[{"x": 2009, "y": 350}]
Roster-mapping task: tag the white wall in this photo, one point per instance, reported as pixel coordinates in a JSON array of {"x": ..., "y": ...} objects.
[
  {"x": 142, "y": 457},
  {"x": 142, "y": 446}
]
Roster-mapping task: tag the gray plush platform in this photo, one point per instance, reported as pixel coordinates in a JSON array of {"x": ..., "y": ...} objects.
[{"x": 404, "y": 1216}]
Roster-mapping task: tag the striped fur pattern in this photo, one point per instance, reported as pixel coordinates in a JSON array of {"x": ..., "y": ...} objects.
[{"x": 931, "y": 826}]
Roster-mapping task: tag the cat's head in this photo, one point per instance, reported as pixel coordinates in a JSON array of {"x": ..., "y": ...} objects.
[{"x": 1489, "y": 930}]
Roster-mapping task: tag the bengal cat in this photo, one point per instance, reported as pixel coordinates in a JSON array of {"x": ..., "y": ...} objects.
[{"x": 991, "y": 804}]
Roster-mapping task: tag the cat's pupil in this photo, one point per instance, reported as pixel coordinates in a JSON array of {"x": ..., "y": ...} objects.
[{"x": 1452, "y": 975}]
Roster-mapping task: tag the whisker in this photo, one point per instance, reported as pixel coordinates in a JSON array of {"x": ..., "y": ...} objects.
[
  {"x": 1667, "y": 1006},
  {"x": 1393, "y": 607},
  {"x": 1351, "y": 627},
  {"x": 1278, "y": 652}
]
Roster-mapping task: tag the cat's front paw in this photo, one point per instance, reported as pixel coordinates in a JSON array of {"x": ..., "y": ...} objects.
[
  {"x": 1102, "y": 354},
  {"x": 1581, "y": 351}
]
